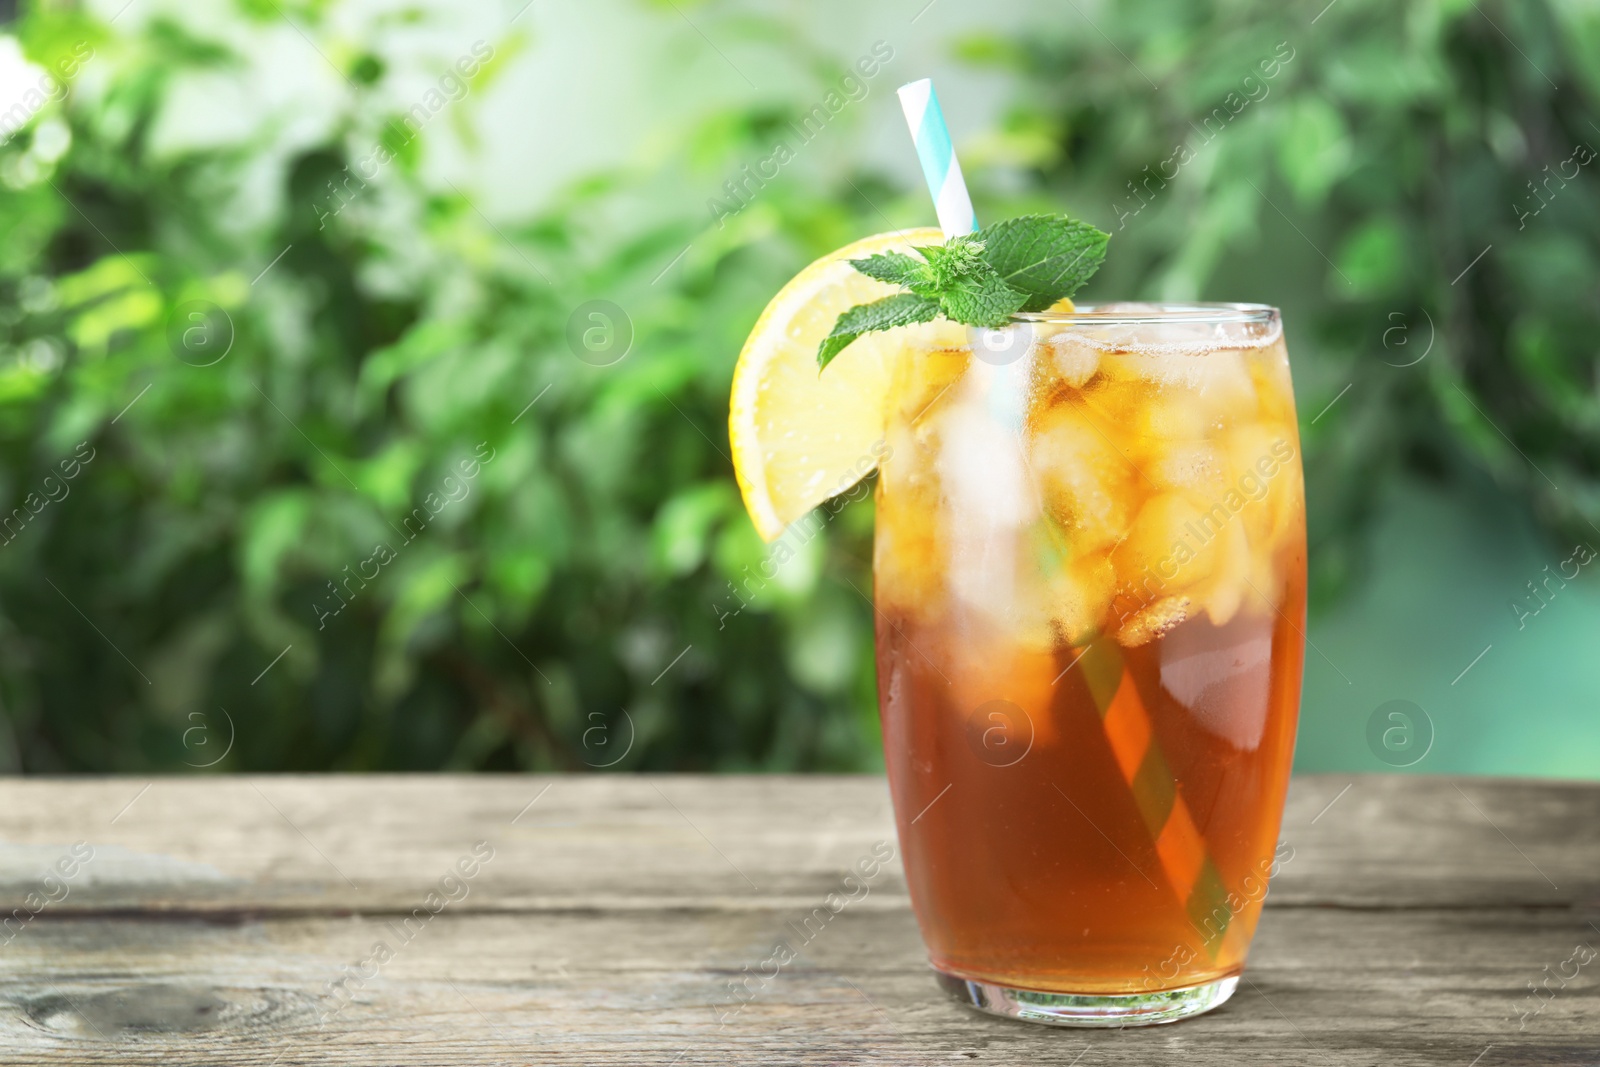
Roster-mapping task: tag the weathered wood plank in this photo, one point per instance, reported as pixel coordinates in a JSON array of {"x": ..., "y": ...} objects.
[
  {"x": 1401, "y": 841},
  {"x": 308, "y": 844},
  {"x": 216, "y": 917},
  {"x": 644, "y": 986}
]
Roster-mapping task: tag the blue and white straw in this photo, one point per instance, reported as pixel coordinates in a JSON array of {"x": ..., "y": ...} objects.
[
  {"x": 1000, "y": 378},
  {"x": 939, "y": 165}
]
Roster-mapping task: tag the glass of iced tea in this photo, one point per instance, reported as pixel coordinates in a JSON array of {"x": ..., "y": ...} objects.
[{"x": 1090, "y": 583}]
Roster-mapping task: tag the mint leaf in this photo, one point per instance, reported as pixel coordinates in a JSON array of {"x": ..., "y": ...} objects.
[
  {"x": 968, "y": 289},
  {"x": 896, "y": 268},
  {"x": 980, "y": 279},
  {"x": 957, "y": 261},
  {"x": 902, "y": 309},
  {"x": 1046, "y": 257},
  {"x": 982, "y": 301}
]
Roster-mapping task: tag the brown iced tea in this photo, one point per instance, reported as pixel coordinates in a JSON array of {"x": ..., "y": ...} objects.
[{"x": 1090, "y": 583}]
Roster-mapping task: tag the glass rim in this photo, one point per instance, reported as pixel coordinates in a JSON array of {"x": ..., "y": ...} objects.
[{"x": 1139, "y": 313}]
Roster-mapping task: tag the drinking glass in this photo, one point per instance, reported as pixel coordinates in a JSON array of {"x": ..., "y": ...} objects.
[{"x": 1089, "y": 572}]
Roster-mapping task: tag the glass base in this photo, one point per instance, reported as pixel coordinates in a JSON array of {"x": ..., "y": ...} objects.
[{"x": 1088, "y": 1009}]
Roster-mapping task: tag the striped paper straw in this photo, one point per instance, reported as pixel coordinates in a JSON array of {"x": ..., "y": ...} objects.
[
  {"x": 939, "y": 164},
  {"x": 1178, "y": 841},
  {"x": 1005, "y": 386}
]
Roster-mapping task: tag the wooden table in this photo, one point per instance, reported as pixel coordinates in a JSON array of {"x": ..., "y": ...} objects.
[{"x": 603, "y": 920}]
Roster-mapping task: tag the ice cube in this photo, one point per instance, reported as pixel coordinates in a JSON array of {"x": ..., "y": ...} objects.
[
  {"x": 1192, "y": 466},
  {"x": 981, "y": 466},
  {"x": 1147, "y": 624},
  {"x": 1072, "y": 361},
  {"x": 1217, "y": 380},
  {"x": 1172, "y": 545},
  {"x": 1173, "y": 417},
  {"x": 1263, "y": 586},
  {"x": 1089, "y": 488},
  {"x": 1226, "y": 589},
  {"x": 1224, "y": 384},
  {"x": 1080, "y": 598},
  {"x": 1269, "y": 371},
  {"x": 909, "y": 550},
  {"x": 927, "y": 377},
  {"x": 909, "y": 563},
  {"x": 987, "y": 496},
  {"x": 1265, "y": 480},
  {"x": 1062, "y": 600}
]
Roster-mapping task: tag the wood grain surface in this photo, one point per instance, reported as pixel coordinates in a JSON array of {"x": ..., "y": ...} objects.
[{"x": 602, "y": 919}]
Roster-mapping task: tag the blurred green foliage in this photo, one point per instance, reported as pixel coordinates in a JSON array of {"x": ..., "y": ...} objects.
[
  {"x": 584, "y": 569},
  {"x": 374, "y": 347}
]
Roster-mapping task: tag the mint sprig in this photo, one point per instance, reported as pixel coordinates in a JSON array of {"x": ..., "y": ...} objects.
[
  {"x": 981, "y": 279},
  {"x": 1046, "y": 256},
  {"x": 902, "y": 309}
]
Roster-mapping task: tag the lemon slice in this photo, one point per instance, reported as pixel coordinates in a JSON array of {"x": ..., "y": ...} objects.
[{"x": 800, "y": 437}]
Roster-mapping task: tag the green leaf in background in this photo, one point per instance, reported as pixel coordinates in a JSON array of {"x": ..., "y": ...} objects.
[
  {"x": 1375, "y": 257},
  {"x": 1315, "y": 149}
]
